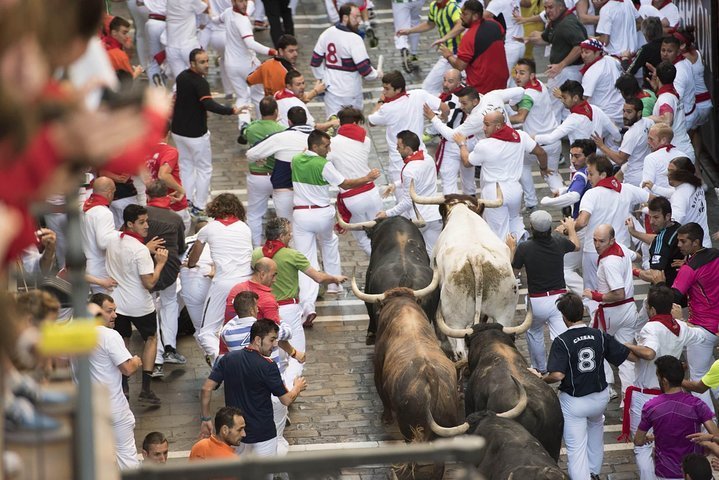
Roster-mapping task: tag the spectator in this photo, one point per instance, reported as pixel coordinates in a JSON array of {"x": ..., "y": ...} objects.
[
  {"x": 229, "y": 432},
  {"x": 155, "y": 448}
]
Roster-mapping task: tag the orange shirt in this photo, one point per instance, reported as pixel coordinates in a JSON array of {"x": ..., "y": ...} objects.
[
  {"x": 211, "y": 448},
  {"x": 271, "y": 74}
]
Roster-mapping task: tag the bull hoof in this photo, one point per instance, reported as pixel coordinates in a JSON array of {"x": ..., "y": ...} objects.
[{"x": 371, "y": 337}]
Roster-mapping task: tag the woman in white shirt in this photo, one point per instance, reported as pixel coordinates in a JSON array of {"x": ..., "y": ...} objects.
[
  {"x": 230, "y": 242},
  {"x": 688, "y": 201}
]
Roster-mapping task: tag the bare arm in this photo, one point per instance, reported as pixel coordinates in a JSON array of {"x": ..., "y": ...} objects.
[
  {"x": 553, "y": 377},
  {"x": 323, "y": 277},
  {"x": 640, "y": 351},
  {"x": 641, "y": 438},
  {"x": 289, "y": 397},
  {"x": 205, "y": 397},
  {"x": 130, "y": 366},
  {"x": 582, "y": 220},
  {"x": 195, "y": 253},
  {"x": 149, "y": 281},
  {"x": 165, "y": 174},
  {"x": 357, "y": 182},
  {"x": 694, "y": 386}
]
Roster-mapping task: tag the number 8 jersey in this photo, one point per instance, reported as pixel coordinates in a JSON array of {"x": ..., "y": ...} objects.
[
  {"x": 579, "y": 353},
  {"x": 345, "y": 59}
]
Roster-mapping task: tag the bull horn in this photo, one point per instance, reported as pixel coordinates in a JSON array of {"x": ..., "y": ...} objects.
[
  {"x": 459, "y": 364},
  {"x": 354, "y": 226},
  {"x": 420, "y": 222},
  {"x": 366, "y": 297},
  {"x": 449, "y": 331},
  {"x": 521, "y": 404},
  {"x": 445, "y": 431},
  {"x": 519, "y": 329},
  {"x": 438, "y": 200},
  {"x": 423, "y": 292},
  {"x": 493, "y": 203}
]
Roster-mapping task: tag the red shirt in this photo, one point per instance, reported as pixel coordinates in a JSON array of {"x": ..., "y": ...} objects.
[
  {"x": 267, "y": 306},
  {"x": 482, "y": 48},
  {"x": 165, "y": 154}
]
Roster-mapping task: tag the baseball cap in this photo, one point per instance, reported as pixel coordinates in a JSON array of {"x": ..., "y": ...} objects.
[{"x": 541, "y": 221}]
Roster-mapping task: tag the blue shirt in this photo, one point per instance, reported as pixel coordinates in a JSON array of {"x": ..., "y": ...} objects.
[{"x": 579, "y": 184}]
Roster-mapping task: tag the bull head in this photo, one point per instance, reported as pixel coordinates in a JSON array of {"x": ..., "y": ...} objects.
[
  {"x": 462, "y": 332},
  {"x": 378, "y": 297},
  {"x": 439, "y": 199}
]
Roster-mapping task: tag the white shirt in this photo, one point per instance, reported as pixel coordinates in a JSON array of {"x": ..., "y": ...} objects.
[
  {"x": 350, "y": 157},
  {"x": 684, "y": 85},
  {"x": 615, "y": 272},
  {"x": 659, "y": 338},
  {"x": 424, "y": 174},
  {"x": 216, "y": 9},
  {"x": 127, "y": 258},
  {"x": 508, "y": 9},
  {"x": 501, "y": 161},
  {"x": 655, "y": 169},
  {"x": 98, "y": 228},
  {"x": 181, "y": 23},
  {"x": 307, "y": 193},
  {"x": 286, "y": 100},
  {"x": 689, "y": 205},
  {"x": 598, "y": 83},
  {"x": 700, "y": 86},
  {"x": 540, "y": 118},
  {"x": 231, "y": 248},
  {"x": 580, "y": 126},
  {"x": 635, "y": 145},
  {"x": 671, "y": 13},
  {"x": 282, "y": 145},
  {"x": 679, "y": 123},
  {"x": 241, "y": 48},
  {"x": 618, "y": 19},
  {"x": 158, "y": 7},
  {"x": 204, "y": 264},
  {"x": 105, "y": 359},
  {"x": 607, "y": 206}
]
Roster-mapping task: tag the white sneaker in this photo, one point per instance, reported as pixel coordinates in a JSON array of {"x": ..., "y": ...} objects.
[
  {"x": 157, "y": 372},
  {"x": 334, "y": 288},
  {"x": 612, "y": 393}
]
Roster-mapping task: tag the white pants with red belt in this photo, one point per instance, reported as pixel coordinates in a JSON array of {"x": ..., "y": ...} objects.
[
  {"x": 583, "y": 432},
  {"x": 505, "y": 219},
  {"x": 407, "y": 15},
  {"x": 291, "y": 314},
  {"x": 193, "y": 291},
  {"x": 195, "y": 160},
  {"x": 700, "y": 358},
  {"x": 621, "y": 323},
  {"x": 246, "y": 95},
  {"x": 214, "y": 314},
  {"x": 259, "y": 191},
  {"x": 335, "y": 103},
  {"x": 313, "y": 226},
  {"x": 364, "y": 207},
  {"x": 284, "y": 201},
  {"x": 168, "y": 312},
  {"x": 554, "y": 181},
  {"x": 178, "y": 59},
  {"x": 154, "y": 30},
  {"x": 125, "y": 448},
  {"x": 643, "y": 454},
  {"x": 544, "y": 312},
  {"x": 451, "y": 168}
]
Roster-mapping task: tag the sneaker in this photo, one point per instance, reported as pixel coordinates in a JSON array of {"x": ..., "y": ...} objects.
[
  {"x": 242, "y": 139},
  {"x": 371, "y": 37},
  {"x": 157, "y": 372},
  {"x": 612, "y": 394},
  {"x": 149, "y": 398},
  {"x": 173, "y": 356},
  {"x": 334, "y": 288},
  {"x": 529, "y": 209},
  {"x": 197, "y": 212},
  {"x": 594, "y": 476},
  {"x": 259, "y": 25},
  {"x": 406, "y": 61},
  {"x": 21, "y": 415},
  {"x": 157, "y": 80}
]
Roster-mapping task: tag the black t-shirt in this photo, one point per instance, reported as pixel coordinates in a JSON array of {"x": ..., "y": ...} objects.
[
  {"x": 250, "y": 380},
  {"x": 192, "y": 102},
  {"x": 543, "y": 258},
  {"x": 168, "y": 225},
  {"x": 124, "y": 190},
  {"x": 664, "y": 250},
  {"x": 564, "y": 35},
  {"x": 579, "y": 353}
]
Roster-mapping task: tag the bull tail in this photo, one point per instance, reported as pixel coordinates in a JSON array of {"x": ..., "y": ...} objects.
[
  {"x": 478, "y": 289},
  {"x": 439, "y": 430},
  {"x": 521, "y": 404}
]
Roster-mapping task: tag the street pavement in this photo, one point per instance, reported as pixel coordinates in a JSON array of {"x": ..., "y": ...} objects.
[{"x": 340, "y": 408}]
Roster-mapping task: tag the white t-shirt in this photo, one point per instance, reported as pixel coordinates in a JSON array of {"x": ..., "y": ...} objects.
[
  {"x": 635, "y": 145},
  {"x": 508, "y": 9},
  {"x": 615, "y": 272},
  {"x": 286, "y": 100},
  {"x": 659, "y": 338},
  {"x": 282, "y": 145},
  {"x": 181, "y": 23},
  {"x": 655, "y": 169},
  {"x": 671, "y": 13},
  {"x": 501, "y": 161},
  {"x": 127, "y": 258},
  {"x": 241, "y": 48},
  {"x": 618, "y": 19},
  {"x": 689, "y": 205},
  {"x": 598, "y": 83},
  {"x": 679, "y": 123},
  {"x": 110, "y": 353},
  {"x": 540, "y": 118},
  {"x": 580, "y": 126},
  {"x": 607, "y": 206},
  {"x": 158, "y": 7},
  {"x": 98, "y": 228},
  {"x": 230, "y": 247},
  {"x": 424, "y": 174},
  {"x": 685, "y": 85},
  {"x": 350, "y": 157}
]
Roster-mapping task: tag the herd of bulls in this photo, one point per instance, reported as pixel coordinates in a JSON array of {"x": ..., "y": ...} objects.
[{"x": 421, "y": 316}]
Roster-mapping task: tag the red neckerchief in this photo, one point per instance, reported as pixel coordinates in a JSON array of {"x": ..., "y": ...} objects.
[
  {"x": 285, "y": 93},
  {"x": 134, "y": 235},
  {"x": 506, "y": 134},
  {"x": 444, "y": 96},
  {"x": 399, "y": 95},
  {"x": 668, "y": 321},
  {"x": 642, "y": 94},
  {"x": 441, "y": 3},
  {"x": 534, "y": 85},
  {"x": 614, "y": 249},
  {"x": 667, "y": 147},
  {"x": 95, "y": 200},
  {"x": 353, "y": 131},
  {"x": 111, "y": 43},
  {"x": 586, "y": 67},
  {"x": 679, "y": 58},
  {"x": 611, "y": 183},
  {"x": 271, "y": 247},
  {"x": 228, "y": 220},
  {"x": 159, "y": 202},
  {"x": 582, "y": 108},
  {"x": 669, "y": 88},
  {"x": 664, "y": 4},
  {"x": 237, "y": 11},
  {"x": 418, "y": 155}
]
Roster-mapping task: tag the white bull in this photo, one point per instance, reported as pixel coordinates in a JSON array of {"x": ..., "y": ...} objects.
[{"x": 474, "y": 266}]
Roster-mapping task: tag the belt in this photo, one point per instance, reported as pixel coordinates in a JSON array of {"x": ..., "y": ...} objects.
[
  {"x": 626, "y": 431},
  {"x": 694, "y": 107},
  {"x": 308, "y": 207},
  {"x": 288, "y": 301},
  {"x": 599, "y": 319},
  {"x": 155, "y": 16},
  {"x": 703, "y": 97},
  {"x": 548, "y": 294},
  {"x": 261, "y": 174}
]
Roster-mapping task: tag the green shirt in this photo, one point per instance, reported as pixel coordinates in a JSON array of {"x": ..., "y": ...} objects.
[
  {"x": 648, "y": 102},
  {"x": 289, "y": 263},
  {"x": 257, "y": 131},
  {"x": 445, "y": 19}
]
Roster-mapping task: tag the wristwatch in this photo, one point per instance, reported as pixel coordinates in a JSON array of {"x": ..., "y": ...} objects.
[{"x": 205, "y": 419}]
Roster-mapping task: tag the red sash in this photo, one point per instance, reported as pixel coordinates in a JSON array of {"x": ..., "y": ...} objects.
[
  {"x": 418, "y": 155},
  {"x": 599, "y": 320},
  {"x": 626, "y": 435},
  {"x": 342, "y": 208},
  {"x": 159, "y": 202},
  {"x": 582, "y": 108},
  {"x": 506, "y": 134}
]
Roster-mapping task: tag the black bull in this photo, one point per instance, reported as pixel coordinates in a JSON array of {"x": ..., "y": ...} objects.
[
  {"x": 493, "y": 357},
  {"x": 399, "y": 259}
]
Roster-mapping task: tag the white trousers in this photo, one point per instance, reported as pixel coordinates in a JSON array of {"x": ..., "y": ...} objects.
[
  {"x": 178, "y": 59},
  {"x": 139, "y": 18},
  {"x": 246, "y": 95},
  {"x": 589, "y": 267},
  {"x": 284, "y": 200},
  {"x": 279, "y": 413},
  {"x": 572, "y": 264},
  {"x": 568, "y": 73},
  {"x": 451, "y": 168},
  {"x": 700, "y": 358},
  {"x": 195, "y": 167},
  {"x": 117, "y": 207},
  {"x": 125, "y": 448},
  {"x": 332, "y": 11},
  {"x": 583, "y": 432},
  {"x": 433, "y": 81},
  {"x": 214, "y": 314},
  {"x": 214, "y": 39},
  {"x": 622, "y": 325},
  {"x": 505, "y": 219},
  {"x": 554, "y": 181},
  {"x": 643, "y": 454},
  {"x": 291, "y": 314},
  {"x": 168, "y": 312},
  {"x": 407, "y": 15},
  {"x": 334, "y": 103},
  {"x": 259, "y": 191},
  {"x": 268, "y": 448},
  {"x": 186, "y": 220},
  {"x": 310, "y": 227},
  {"x": 430, "y": 232},
  {"x": 193, "y": 291},
  {"x": 544, "y": 312},
  {"x": 364, "y": 207},
  {"x": 154, "y": 30}
]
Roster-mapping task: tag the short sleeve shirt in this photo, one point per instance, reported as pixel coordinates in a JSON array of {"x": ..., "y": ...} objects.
[
  {"x": 564, "y": 36},
  {"x": 290, "y": 263},
  {"x": 127, "y": 259},
  {"x": 230, "y": 247},
  {"x": 543, "y": 260},
  {"x": 664, "y": 250},
  {"x": 711, "y": 378}
]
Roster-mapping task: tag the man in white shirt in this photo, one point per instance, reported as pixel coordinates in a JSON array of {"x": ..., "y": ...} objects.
[
  {"x": 599, "y": 74},
  {"x": 292, "y": 96},
  {"x": 349, "y": 154},
  {"x": 345, "y": 59},
  {"x": 617, "y": 26},
  {"x": 212, "y": 36},
  {"x": 634, "y": 147},
  {"x": 155, "y": 30},
  {"x": 418, "y": 169},
  {"x": 669, "y": 14},
  {"x": 109, "y": 362},
  {"x": 181, "y": 32},
  {"x": 398, "y": 110},
  {"x": 669, "y": 107},
  {"x": 501, "y": 155},
  {"x": 129, "y": 262},
  {"x": 506, "y": 12},
  {"x": 684, "y": 82},
  {"x": 98, "y": 228},
  {"x": 654, "y": 172}
]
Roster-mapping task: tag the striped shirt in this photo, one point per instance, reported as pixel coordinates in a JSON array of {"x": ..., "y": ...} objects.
[
  {"x": 445, "y": 18},
  {"x": 236, "y": 335}
]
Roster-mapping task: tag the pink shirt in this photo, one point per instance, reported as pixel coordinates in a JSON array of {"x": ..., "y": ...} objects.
[{"x": 698, "y": 279}]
